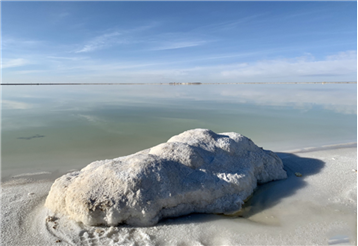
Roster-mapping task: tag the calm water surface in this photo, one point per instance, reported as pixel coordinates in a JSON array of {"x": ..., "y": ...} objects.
[{"x": 59, "y": 128}]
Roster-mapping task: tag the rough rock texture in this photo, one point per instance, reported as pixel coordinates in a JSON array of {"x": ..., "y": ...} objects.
[{"x": 195, "y": 171}]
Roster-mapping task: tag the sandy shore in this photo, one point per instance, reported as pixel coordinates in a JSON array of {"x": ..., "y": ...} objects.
[{"x": 320, "y": 208}]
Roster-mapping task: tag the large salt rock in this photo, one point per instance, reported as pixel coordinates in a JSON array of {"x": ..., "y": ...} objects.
[{"x": 196, "y": 171}]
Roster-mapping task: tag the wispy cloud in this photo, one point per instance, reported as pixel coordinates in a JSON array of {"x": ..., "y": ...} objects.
[
  {"x": 63, "y": 14},
  {"x": 340, "y": 64},
  {"x": 100, "y": 42},
  {"x": 179, "y": 45},
  {"x": 73, "y": 58},
  {"x": 18, "y": 43},
  {"x": 230, "y": 24},
  {"x": 336, "y": 67},
  {"x": 308, "y": 14},
  {"x": 38, "y": 71},
  {"x": 348, "y": 55},
  {"x": 234, "y": 24},
  {"x": 15, "y": 63},
  {"x": 112, "y": 67}
]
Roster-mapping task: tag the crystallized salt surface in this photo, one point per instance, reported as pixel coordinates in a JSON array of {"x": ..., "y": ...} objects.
[
  {"x": 318, "y": 208},
  {"x": 196, "y": 171}
]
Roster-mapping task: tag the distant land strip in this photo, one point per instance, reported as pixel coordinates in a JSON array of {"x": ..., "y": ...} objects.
[{"x": 184, "y": 83}]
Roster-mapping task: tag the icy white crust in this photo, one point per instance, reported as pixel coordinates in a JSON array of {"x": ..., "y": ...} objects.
[{"x": 195, "y": 171}]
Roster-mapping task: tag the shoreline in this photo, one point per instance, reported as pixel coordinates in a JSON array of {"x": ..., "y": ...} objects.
[
  {"x": 323, "y": 147},
  {"x": 51, "y": 176},
  {"x": 318, "y": 208}
]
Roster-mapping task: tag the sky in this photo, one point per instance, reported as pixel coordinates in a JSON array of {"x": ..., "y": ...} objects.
[{"x": 163, "y": 42}]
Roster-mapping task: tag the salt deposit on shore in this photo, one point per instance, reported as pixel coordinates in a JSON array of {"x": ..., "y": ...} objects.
[{"x": 320, "y": 207}]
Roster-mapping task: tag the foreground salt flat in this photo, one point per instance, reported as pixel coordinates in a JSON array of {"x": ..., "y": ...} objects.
[{"x": 318, "y": 208}]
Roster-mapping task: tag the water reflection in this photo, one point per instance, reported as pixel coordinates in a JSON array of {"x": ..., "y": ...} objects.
[{"x": 87, "y": 123}]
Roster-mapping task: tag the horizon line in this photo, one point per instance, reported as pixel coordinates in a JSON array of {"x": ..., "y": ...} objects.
[{"x": 183, "y": 83}]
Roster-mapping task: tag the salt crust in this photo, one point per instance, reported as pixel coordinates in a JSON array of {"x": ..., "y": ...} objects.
[
  {"x": 319, "y": 209},
  {"x": 195, "y": 171}
]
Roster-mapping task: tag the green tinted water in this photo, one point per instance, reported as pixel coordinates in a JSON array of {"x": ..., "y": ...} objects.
[{"x": 58, "y": 128}]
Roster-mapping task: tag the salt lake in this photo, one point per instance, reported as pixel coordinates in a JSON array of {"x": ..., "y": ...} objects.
[{"x": 60, "y": 128}]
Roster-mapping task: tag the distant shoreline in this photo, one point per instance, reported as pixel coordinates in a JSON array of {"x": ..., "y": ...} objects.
[{"x": 184, "y": 83}]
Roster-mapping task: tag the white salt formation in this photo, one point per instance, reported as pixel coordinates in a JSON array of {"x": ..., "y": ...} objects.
[{"x": 197, "y": 171}]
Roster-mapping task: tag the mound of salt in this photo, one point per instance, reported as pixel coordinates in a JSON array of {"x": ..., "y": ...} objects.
[{"x": 195, "y": 171}]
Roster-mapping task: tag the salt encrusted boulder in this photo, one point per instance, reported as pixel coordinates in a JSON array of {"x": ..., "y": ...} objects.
[{"x": 195, "y": 171}]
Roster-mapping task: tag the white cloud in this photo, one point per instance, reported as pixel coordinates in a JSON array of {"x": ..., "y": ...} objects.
[
  {"x": 344, "y": 63},
  {"x": 108, "y": 68},
  {"x": 229, "y": 25},
  {"x": 11, "y": 42},
  {"x": 339, "y": 67},
  {"x": 179, "y": 45},
  {"x": 14, "y": 63},
  {"x": 66, "y": 58},
  {"x": 31, "y": 71},
  {"x": 348, "y": 55},
  {"x": 64, "y": 14},
  {"x": 112, "y": 38},
  {"x": 307, "y": 68},
  {"x": 100, "y": 42},
  {"x": 240, "y": 22}
]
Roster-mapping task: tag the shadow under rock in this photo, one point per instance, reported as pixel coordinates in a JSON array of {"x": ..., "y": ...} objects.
[
  {"x": 269, "y": 194},
  {"x": 266, "y": 195}
]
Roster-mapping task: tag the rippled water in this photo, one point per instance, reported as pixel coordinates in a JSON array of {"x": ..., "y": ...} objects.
[{"x": 58, "y": 128}]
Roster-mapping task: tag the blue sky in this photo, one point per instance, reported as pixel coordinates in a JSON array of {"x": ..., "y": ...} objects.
[{"x": 178, "y": 41}]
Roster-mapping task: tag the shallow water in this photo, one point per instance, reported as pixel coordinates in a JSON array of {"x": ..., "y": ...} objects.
[{"x": 59, "y": 128}]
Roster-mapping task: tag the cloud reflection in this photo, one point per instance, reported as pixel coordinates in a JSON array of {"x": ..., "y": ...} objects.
[{"x": 340, "y": 98}]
